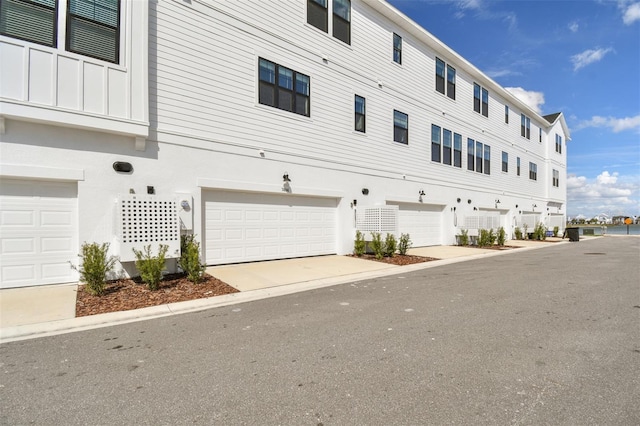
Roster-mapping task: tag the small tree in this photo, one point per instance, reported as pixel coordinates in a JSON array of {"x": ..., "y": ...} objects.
[
  {"x": 390, "y": 245},
  {"x": 491, "y": 237},
  {"x": 502, "y": 236},
  {"x": 556, "y": 229},
  {"x": 483, "y": 239},
  {"x": 359, "y": 245},
  {"x": 151, "y": 267},
  {"x": 96, "y": 264},
  {"x": 464, "y": 237},
  {"x": 525, "y": 234},
  {"x": 404, "y": 244},
  {"x": 189, "y": 260},
  {"x": 518, "y": 233},
  {"x": 377, "y": 245}
]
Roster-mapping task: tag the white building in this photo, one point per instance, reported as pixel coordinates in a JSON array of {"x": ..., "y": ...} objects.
[{"x": 265, "y": 128}]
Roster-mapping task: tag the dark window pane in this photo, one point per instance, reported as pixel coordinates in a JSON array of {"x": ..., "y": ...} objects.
[
  {"x": 285, "y": 100},
  {"x": 302, "y": 84},
  {"x": 92, "y": 28},
  {"x": 487, "y": 160},
  {"x": 302, "y": 105},
  {"x": 359, "y": 113},
  {"x": 451, "y": 82},
  {"x": 435, "y": 143},
  {"x": 342, "y": 8},
  {"x": 446, "y": 146},
  {"x": 470, "y": 154},
  {"x": 440, "y": 76},
  {"x": 267, "y": 71},
  {"x": 478, "y": 157},
  {"x": 267, "y": 94},
  {"x": 476, "y": 98},
  {"x": 285, "y": 78},
  {"x": 317, "y": 14},
  {"x": 397, "y": 48},
  {"x": 34, "y": 22},
  {"x": 341, "y": 29},
  {"x": 400, "y": 127},
  {"x": 457, "y": 150},
  {"x": 485, "y": 102}
]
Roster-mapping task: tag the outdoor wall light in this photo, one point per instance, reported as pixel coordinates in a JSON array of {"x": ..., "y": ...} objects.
[
  {"x": 151, "y": 190},
  {"x": 458, "y": 200},
  {"x": 421, "y": 193},
  {"x": 516, "y": 206},
  {"x": 365, "y": 191},
  {"x": 475, "y": 208},
  {"x": 285, "y": 177},
  {"x": 469, "y": 201},
  {"x": 122, "y": 167},
  {"x": 497, "y": 201}
]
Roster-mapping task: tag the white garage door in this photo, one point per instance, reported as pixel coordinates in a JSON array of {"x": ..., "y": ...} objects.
[
  {"x": 38, "y": 232},
  {"x": 423, "y": 223},
  {"x": 244, "y": 227}
]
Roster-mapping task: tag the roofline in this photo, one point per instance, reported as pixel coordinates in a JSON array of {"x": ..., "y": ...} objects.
[
  {"x": 563, "y": 123},
  {"x": 406, "y": 23}
]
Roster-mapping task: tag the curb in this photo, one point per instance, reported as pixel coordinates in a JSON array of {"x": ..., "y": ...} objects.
[{"x": 32, "y": 331}]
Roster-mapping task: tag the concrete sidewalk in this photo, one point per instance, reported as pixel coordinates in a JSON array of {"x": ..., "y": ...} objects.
[{"x": 46, "y": 310}]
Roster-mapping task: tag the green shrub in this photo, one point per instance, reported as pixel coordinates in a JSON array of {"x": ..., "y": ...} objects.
[
  {"x": 151, "y": 267},
  {"x": 525, "y": 234},
  {"x": 463, "y": 238},
  {"x": 483, "y": 238},
  {"x": 390, "y": 245},
  {"x": 404, "y": 244},
  {"x": 96, "y": 264},
  {"x": 540, "y": 232},
  {"x": 556, "y": 229},
  {"x": 491, "y": 237},
  {"x": 359, "y": 245},
  {"x": 189, "y": 260},
  {"x": 377, "y": 245},
  {"x": 502, "y": 236},
  {"x": 518, "y": 233}
]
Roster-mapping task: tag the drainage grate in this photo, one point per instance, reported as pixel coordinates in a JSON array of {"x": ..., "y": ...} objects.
[{"x": 597, "y": 253}]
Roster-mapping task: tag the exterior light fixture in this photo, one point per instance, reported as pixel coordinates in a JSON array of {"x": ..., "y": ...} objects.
[
  {"x": 365, "y": 191},
  {"x": 458, "y": 200},
  {"x": 151, "y": 190},
  {"x": 497, "y": 201},
  {"x": 421, "y": 194},
  {"x": 469, "y": 201},
  {"x": 122, "y": 167},
  {"x": 475, "y": 208},
  {"x": 285, "y": 177}
]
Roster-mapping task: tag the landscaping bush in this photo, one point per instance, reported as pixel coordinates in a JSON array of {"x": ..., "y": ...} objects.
[
  {"x": 390, "y": 245},
  {"x": 525, "y": 234},
  {"x": 189, "y": 260},
  {"x": 502, "y": 236},
  {"x": 518, "y": 233},
  {"x": 556, "y": 229},
  {"x": 464, "y": 237},
  {"x": 483, "y": 239},
  {"x": 359, "y": 245},
  {"x": 540, "y": 232},
  {"x": 404, "y": 244},
  {"x": 151, "y": 267},
  {"x": 491, "y": 237},
  {"x": 96, "y": 264},
  {"x": 377, "y": 245}
]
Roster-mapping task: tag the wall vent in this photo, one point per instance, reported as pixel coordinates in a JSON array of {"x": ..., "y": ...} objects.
[
  {"x": 383, "y": 219},
  {"x": 147, "y": 220}
]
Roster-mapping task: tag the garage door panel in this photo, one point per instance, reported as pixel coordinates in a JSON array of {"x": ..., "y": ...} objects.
[
  {"x": 38, "y": 232},
  {"x": 423, "y": 223},
  {"x": 273, "y": 226}
]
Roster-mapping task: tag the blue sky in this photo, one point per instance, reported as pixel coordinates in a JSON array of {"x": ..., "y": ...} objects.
[{"x": 578, "y": 57}]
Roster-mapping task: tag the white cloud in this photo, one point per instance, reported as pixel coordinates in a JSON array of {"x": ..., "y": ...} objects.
[
  {"x": 589, "y": 56},
  {"x": 630, "y": 12},
  {"x": 573, "y": 26},
  {"x": 615, "y": 124},
  {"x": 607, "y": 193},
  {"x": 534, "y": 100}
]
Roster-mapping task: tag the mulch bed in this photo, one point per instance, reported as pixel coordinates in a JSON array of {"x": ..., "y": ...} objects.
[
  {"x": 398, "y": 259},
  {"x": 128, "y": 294}
]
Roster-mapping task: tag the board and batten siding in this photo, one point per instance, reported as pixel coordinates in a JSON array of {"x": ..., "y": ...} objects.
[{"x": 203, "y": 84}]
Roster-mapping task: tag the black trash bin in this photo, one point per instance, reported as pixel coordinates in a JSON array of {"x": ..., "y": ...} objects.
[{"x": 572, "y": 233}]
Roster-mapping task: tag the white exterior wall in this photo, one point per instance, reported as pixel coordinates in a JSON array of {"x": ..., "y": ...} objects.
[{"x": 208, "y": 131}]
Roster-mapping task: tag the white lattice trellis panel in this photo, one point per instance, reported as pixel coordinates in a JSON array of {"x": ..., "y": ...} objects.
[
  {"x": 531, "y": 220},
  {"x": 383, "y": 219},
  {"x": 147, "y": 220}
]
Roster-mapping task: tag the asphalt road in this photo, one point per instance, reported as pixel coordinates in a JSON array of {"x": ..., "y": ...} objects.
[{"x": 549, "y": 336}]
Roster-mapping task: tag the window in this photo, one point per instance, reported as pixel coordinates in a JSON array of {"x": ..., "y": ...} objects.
[
  {"x": 540, "y": 134},
  {"x": 471, "y": 144},
  {"x": 457, "y": 150},
  {"x": 505, "y": 162},
  {"x": 440, "y": 75},
  {"x": 558, "y": 144},
  {"x": 556, "y": 178},
  {"x": 487, "y": 160},
  {"x": 451, "y": 82},
  {"x": 33, "y": 21},
  {"x": 284, "y": 88},
  {"x": 342, "y": 20},
  {"x": 518, "y": 166},
  {"x": 400, "y": 127},
  {"x": 525, "y": 126},
  {"x": 435, "y": 143},
  {"x": 533, "y": 171},
  {"x": 93, "y": 28},
  {"x": 397, "y": 49},
  {"x": 317, "y": 14},
  {"x": 480, "y": 100},
  {"x": 446, "y": 146},
  {"x": 360, "y": 117},
  {"x": 506, "y": 114},
  {"x": 478, "y": 157}
]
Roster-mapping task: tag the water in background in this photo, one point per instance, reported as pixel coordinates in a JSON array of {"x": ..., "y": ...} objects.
[{"x": 622, "y": 230}]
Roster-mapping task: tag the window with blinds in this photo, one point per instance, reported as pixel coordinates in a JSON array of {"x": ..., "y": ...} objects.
[
  {"x": 93, "y": 28},
  {"x": 30, "y": 20}
]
